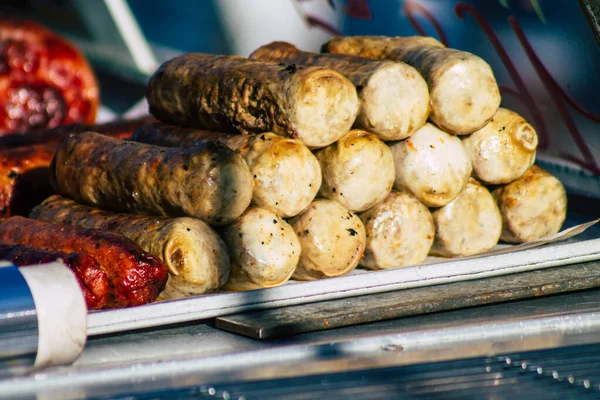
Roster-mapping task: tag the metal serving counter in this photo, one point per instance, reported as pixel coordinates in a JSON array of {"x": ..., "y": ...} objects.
[{"x": 197, "y": 357}]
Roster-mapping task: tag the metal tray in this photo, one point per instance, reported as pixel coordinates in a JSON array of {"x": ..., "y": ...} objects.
[{"x": 505, "y": 260}]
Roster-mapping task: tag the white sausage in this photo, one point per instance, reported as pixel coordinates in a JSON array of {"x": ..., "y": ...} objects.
[
  {"x": 263, "y": 248},
  {"x": 503, "y": 149},
  {"x": 532, "y": 207},
  {"x": 358, "y": 170},
  {"x": 332, "y": 239},
  {"x": 432, "y": 165},
  {"x": 469, "y": 224},
  {"x": 399, "y": 232}
]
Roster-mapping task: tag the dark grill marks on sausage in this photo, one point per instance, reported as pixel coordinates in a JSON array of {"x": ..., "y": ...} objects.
[{"x": 134, "y": 276}]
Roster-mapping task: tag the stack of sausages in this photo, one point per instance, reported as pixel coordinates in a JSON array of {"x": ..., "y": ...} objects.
[{"x": 292, "y": 165}]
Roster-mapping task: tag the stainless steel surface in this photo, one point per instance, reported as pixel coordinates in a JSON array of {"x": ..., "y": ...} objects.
[
  {"x": 287, "y": 321},
  {"x": 195, "y": 354},
  {"x": 566, "y": 373},
  {"x": 576, "y": 250},
  {"x": 18, "y": 322}
]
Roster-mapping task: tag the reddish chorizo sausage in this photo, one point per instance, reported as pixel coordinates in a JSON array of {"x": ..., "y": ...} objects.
[
  {"x": 90, "y": 276},
  {"x": 135, "y": 277}
]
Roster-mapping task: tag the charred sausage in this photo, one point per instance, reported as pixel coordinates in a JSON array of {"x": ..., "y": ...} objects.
[
  {"x": 134, "y": 276},
  {"x": 432, "y": 165},
  {"x": 264, "y": 250},
  {"x": 233, "y": 94},
  {"x": 532, "y": 207},
  {"x": 24, "y": 178},
  {"x": 286, "y": 174},
  {"x": 332, "y": 240},
  {"x": 358, "y": 170},
  {"x": 399, "y": 230},
  {"x": 92, "y": 279},
  {"x": 394, "y": 97},
  {"x": 503, "y": 149},
  {"x": 462, "y": 87},
  {"x": 194, "y": 254},
  {"x": 44, "y": 80},
  {"x": 469, "y": 224},
  {"x": 211, "y": 182}
]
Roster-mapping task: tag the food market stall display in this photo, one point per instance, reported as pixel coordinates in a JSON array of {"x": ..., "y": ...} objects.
[{"x": 284, "y": 178}]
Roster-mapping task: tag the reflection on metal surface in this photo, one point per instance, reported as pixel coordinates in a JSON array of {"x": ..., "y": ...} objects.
[
  {"x": 199, "y": 355},
  {"x": 18, "y": 322}
]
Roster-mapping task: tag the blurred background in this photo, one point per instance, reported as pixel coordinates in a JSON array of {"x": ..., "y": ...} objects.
[{"x": 545, "y": 53}]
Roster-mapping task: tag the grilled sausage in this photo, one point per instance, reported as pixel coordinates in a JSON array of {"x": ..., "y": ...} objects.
[
  {"x": 399, "y": 230},
  {"x": 432, "y": 165},
  {"x": 264, "y": 250},
  {"x": 92, "y": 279},
  {"x": 469, "y": 224},
  {"x": 226, "y": 93},
  {"x": 24, "y": 179},
  {"x": 532, "y": 207},
  {"x": 194, "y": 254},
  {"x": 358, "y": 170},
  {"x": 503, "y": 149},
  {"x": 134, "y": 276},
  {"x": 286, "y": 174},
  {"x": 120, "y": 129},
  {"x": 332, "y": 239},
  {"x": 211, "y": 182},
  {"x": 45, "y": 81},
  {"x": 462, "y": 87},
  {"x": 394, "y": 97}
]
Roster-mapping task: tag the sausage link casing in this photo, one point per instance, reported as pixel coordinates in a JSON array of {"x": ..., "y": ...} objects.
[
  {"x": 135, "y": 277},
  {"x": 332, "y": 239},
  {"x": 503, "y": 149},
  {"x": 358, "y": 170},
  {"x": 24, "y": 178},
  {"x": 394, "y": 97},
  {"x": 432, "y": 165},
  {"x": 264, "y": 250},
  {"x": 92, "y": 279},
  {"x": 211, "y": 183},
  {"x": 462, "y": 87},
  {"x": 532, "y": 207},
  {"x": 399, "y": 230},
  {"x": 194, "y": 254},
  {"x": 286, "y": 174},
  {"x": 226, "y": 93},
  {"x": 469, "y": 224}
]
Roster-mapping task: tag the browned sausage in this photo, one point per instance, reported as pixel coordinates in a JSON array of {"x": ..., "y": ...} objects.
[
  {"x": 24, "y": 178},
  {"x": 532, "y": 207},
  {"x": 212, "y": 182},
  {"x": 463, "y": 90},
  {"x": 394, "y": 97},
  {"x": 90, "y": 276},
  {"x": 234, "y": 94},
  {"x": 135, "y": 277},
  {"x": 194, "y": 253},
  {"x": 286, "y": 174}
]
